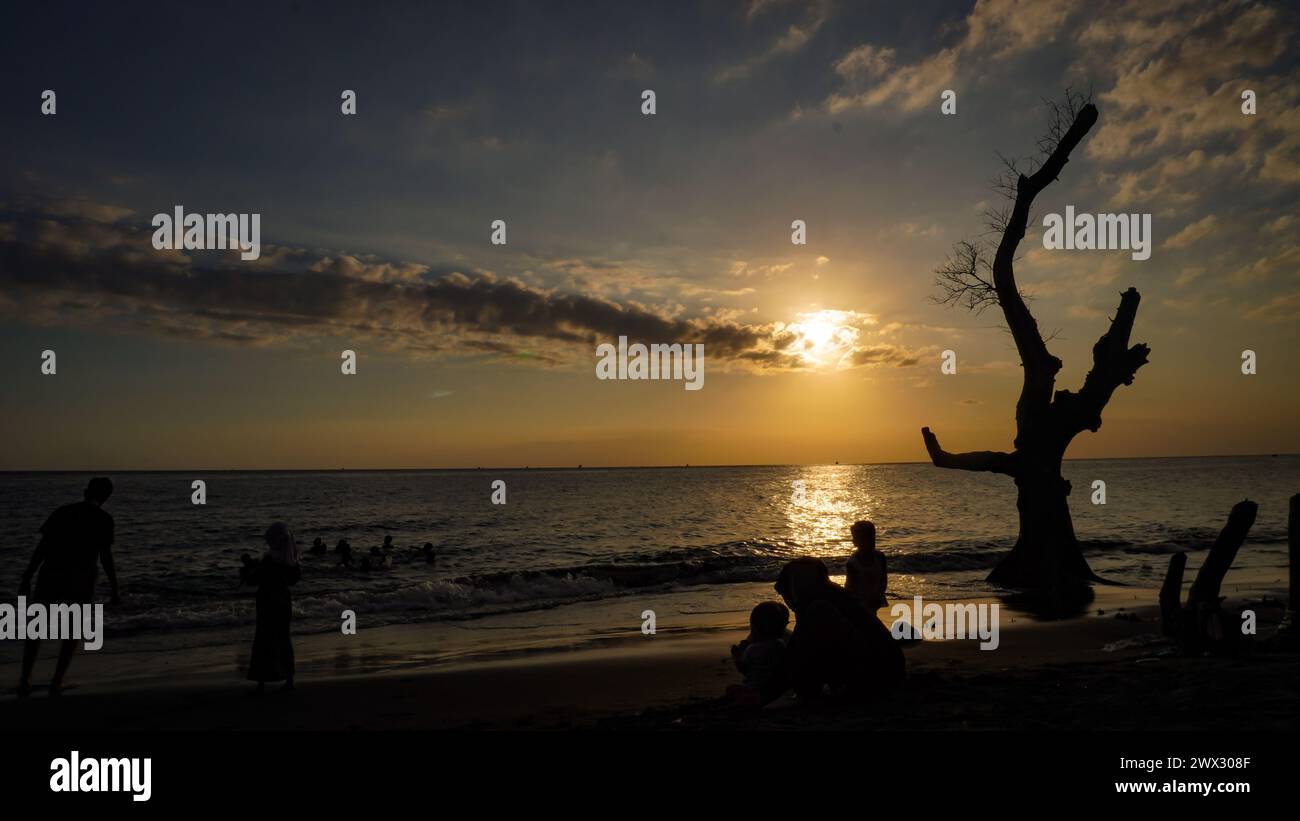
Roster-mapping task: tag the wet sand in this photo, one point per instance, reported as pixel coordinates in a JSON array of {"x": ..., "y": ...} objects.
[{"x": 1107, "y": 670}]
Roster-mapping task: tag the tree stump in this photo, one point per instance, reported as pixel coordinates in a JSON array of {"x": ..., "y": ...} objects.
[
  {"x": 1171, "y": 595},
  {"x": 1288, "y": 631},
  {"x": 1201, "y": 624}
]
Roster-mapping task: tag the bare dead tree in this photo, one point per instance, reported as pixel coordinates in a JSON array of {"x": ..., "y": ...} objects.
[{"x": 978, "y": 274}]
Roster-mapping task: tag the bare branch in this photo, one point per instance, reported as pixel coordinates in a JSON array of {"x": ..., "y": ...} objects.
[
  {"x": 996, "y": 219},
  {"x": 966, "y": 278},
  {"x": 1061, "y": 116},
  {"x": 983, "y": 460},
  {"x": 1013, "y": 168}
]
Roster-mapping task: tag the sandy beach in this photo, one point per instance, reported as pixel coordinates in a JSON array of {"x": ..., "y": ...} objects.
[{"x": 1107, "y": 670}]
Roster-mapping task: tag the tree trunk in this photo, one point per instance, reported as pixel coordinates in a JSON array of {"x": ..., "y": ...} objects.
[{"x": 1046, "y": 554}]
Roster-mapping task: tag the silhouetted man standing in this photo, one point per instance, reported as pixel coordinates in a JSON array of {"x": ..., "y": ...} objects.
[{"x": 74, "y": 540}]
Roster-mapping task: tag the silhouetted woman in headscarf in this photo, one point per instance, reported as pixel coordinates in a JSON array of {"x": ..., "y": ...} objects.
[
  {"x": 272, "y": 658},
  {"x": 837, "y": 646}
]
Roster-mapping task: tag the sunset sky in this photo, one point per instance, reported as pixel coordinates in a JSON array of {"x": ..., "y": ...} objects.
[{"x": 666, "y": 228}]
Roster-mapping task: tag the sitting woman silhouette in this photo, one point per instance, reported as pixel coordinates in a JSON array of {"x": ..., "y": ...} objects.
[{"x": 837, "y": 648}]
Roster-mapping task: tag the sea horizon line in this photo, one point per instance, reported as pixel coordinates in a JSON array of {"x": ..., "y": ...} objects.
[{"x": 584, "y": 466}]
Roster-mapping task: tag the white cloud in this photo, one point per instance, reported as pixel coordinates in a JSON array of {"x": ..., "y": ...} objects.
[
  {"x": 995, "y": 29},
  {"x": 1194, "y": 232}
]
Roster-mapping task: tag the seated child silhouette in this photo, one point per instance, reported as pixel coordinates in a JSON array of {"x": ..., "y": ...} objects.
[{"x": 758, "y": 657}]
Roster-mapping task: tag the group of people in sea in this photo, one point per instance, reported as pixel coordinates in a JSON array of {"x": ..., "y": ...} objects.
[
  {"x": 277, "y": 571},
  {"x": 380, "y": 557},
  {"x": 838, "y": 649}
]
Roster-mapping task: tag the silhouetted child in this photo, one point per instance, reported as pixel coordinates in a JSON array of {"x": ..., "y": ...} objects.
[
  {"x": 318, "y": 546},
  {"x": 865, "y": 575},
  {"x": 247, "y": 569},
  {"x": 345, "y": 552},
  {"x": 429, "y": 555},
  {"x": 758, "y": 657}
]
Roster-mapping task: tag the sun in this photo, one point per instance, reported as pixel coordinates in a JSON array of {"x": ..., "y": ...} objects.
[{"x": 824, "y": 338}]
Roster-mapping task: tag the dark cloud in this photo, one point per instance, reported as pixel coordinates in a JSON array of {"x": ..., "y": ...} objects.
[
  {"x": 884, "y": 354},
  {"x": 111, "y": 275}
]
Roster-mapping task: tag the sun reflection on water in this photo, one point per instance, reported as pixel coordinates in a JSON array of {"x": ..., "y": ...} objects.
[
  {"x": 818, "y": 515},
  {"x": 825, "y": 501}
]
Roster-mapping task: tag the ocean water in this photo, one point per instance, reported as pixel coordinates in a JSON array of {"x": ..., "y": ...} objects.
[{"x": 567, "y": 536}]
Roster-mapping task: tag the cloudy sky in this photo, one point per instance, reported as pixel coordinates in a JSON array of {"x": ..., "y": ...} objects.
[{"x": 666, "y": 228}]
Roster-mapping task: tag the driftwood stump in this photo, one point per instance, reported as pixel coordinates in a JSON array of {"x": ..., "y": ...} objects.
[
  {"x": 1293, "y": 547},
  {"x": 1201, "y": 624},
  {"x": 1288, "y": 631},
  {"x": 1171, "y": 594}
]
